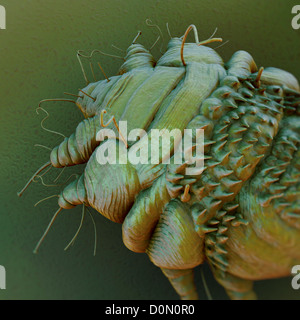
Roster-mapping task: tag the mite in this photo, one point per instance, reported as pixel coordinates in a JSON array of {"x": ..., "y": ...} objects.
[{"x": 241, "y": 214}]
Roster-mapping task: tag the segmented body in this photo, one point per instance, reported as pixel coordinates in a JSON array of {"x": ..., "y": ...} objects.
[{"x": 242, "y": 213}]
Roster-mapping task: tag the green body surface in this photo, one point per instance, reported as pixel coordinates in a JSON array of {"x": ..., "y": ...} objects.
[
  {"x": 162, "y": 81},
  {"x": 242, "y": 213}
]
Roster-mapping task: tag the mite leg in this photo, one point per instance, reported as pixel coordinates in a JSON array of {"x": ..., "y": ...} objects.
[
  {"x": 236, "y": 288},
  {"x": 144, "y": 215},
  {"x": 183, "y": 282},
  {"x": 78, "y": 148},
  {"x": 72, "y": 195},
  {"x": 109, "y": 188}
]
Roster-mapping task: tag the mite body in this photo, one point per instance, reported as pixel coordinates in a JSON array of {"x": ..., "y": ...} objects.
[{"x": 241, "y": 214}]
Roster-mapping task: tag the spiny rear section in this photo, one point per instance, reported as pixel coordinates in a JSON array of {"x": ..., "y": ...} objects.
[
  {"x": 277, "y": 180},
  {"x": 240, "y": 119},
  {"x": 237, "y": 150},
  {"x": 233, "y": 147}
]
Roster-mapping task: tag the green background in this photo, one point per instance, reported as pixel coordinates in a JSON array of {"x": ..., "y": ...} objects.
[{"x": 37, "y": 61}]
